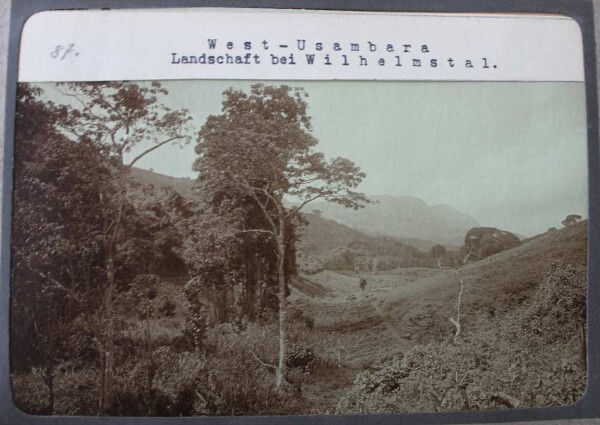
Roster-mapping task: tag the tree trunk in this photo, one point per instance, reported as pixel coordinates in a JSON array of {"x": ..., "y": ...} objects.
[
  {"x": 280, "y": 373},
  {"x": 249, "y": 290},
  {"x": 102, "y": 396},
  {"x": 49, "y": 378},
  {"x": 107, "y": 367}
]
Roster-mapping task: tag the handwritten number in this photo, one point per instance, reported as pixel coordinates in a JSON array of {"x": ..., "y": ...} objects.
[{"x": 61, "y": 52}]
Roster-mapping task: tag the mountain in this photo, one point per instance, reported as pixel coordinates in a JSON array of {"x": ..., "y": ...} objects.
[
  {"x": 406, "y": 218},
  {"x": 322, "y": 235},
  {"x": 403, "y": 217}
]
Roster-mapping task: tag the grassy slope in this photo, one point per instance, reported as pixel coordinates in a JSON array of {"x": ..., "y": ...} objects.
[
  {"x": 322, "y": 235},
  {"x": 355, "y": 329},
  {"x": 497, "y": 283}
]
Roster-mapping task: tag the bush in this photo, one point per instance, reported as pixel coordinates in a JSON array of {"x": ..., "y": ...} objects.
[
  {"x": 241, "y": 384},
  {"x": 309, "y": 264},
  {"x": 75, "y": 391},
  {"x": 297, "y": 316},
  {"x": 526, "y": 358},
  {"x": 299, "y": 357},
  {"x": 167, "y": 308},
  {"x": 29, "y": 393}
]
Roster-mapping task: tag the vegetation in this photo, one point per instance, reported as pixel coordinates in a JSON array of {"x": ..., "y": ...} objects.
[
  {"x": 505, "y": 361},
  {"x": 481, "y": 242},
  {"x": 251, "y": 157},
  {"x": 144, "y": 295},
  {"x": 571, "y": 220}
]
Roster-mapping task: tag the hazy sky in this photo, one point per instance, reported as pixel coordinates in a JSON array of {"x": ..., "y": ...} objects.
[{"x": 512, "y": 155}]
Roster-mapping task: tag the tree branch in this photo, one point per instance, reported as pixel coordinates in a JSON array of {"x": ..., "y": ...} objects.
[
  {"x": 260, "y": 204},
  {"x": 72, "y": 294},
  {"x": 261, "y": 362},
  {"x": 298, "y": 208},
  {"x": 147, "y": 151},
  {"x": 456, "y": 321},
  {"x": 258, "y": 231}
]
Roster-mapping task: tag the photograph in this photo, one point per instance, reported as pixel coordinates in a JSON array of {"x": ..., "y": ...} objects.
[{"x": 208, "y": 247}]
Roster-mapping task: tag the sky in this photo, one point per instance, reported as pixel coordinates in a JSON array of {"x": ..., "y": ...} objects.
[{"x": 510, "y": 154}]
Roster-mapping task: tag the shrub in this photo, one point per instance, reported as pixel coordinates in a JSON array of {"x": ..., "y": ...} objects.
[
  {"x": 167, "y": 308},
  {"x": 297, "y": 316},
  {"x": 299, "y": 357},
  {"x": 75, "y": 391},
  {"x": 525, "y": 358},
  {"x": 238, "y": 375},
  {"x": 29, "y": 393}
]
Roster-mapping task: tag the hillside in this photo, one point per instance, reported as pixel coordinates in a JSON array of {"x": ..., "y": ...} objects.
[
  {"x": 404, "y": 216},
  {"x": 493, "y": 285},
  {"x": 360, "y": 331},
  {"x": 323, "y": 238},
  {"x": 419, "y": 301},
  {"x": 146, "y": 177}
]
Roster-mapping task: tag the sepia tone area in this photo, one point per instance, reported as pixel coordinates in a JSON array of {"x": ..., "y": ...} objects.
[{"x": 279, "y": 279}]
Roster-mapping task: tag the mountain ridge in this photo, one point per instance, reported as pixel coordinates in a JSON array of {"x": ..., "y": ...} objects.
[{"x": 406, "y": 217}]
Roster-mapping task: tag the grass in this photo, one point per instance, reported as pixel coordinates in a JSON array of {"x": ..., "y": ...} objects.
[
  {"x": 412, "y": 306},
  {"x": 351, "y": 330}
]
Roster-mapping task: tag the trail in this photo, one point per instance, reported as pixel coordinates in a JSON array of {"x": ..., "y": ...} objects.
[
  {"x": 353, "y": 330},
  {"x": 392, "y": 328}
]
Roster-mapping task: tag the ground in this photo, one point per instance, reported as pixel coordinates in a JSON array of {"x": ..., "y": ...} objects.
[
  {"x": 352, "y": 327},
  {"x": 399, "y": 309},
  {"x": 350, "y": 330}
]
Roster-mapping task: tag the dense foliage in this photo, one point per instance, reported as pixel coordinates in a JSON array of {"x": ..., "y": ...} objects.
[{"x": 84, "y": 236}]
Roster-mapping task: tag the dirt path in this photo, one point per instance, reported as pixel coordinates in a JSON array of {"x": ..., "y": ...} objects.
[
  {"x": 403, "y": 343},
  {"x": 353, "y": 329}
]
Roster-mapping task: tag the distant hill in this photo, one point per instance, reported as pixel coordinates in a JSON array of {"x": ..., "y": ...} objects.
[
  {"x": 146, "y": 177},
  {"x": 405, "y": 217},
  {"x": 323, "y": 237}
]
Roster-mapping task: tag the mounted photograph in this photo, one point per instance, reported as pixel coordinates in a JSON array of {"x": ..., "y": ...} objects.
[{"x": 230, "y": 247}]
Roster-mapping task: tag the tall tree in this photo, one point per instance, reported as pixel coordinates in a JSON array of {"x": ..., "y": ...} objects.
[
  {"x": 121, "y": 116},
  {"x": 56, "y": 240},
  {"x": 118, "y": 117},
  {"x": 262, "y": 146}
]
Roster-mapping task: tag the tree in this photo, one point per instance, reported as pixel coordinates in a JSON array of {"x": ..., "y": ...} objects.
[
  {"x": 571, "y": 220},
  {"x": 122, "y": 115},
  {"x": 438, "y": 252},
  {"x": 116, "y": 117},
  {"x": 231, "y": 266},
  {"x": 56, "y": 241},
  {"x": 261, "y": 147}
]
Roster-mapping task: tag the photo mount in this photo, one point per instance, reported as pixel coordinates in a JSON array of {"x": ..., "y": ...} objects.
[{"x": 581, "y": 11}]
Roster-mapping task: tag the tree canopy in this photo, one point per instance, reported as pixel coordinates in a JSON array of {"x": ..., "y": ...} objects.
[
  {"x": 120, "y": 115},
  {"x": 261, "y": 148}
]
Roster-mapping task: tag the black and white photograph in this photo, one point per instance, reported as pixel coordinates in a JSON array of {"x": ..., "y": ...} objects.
[{"x": 230, "y": 247}]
